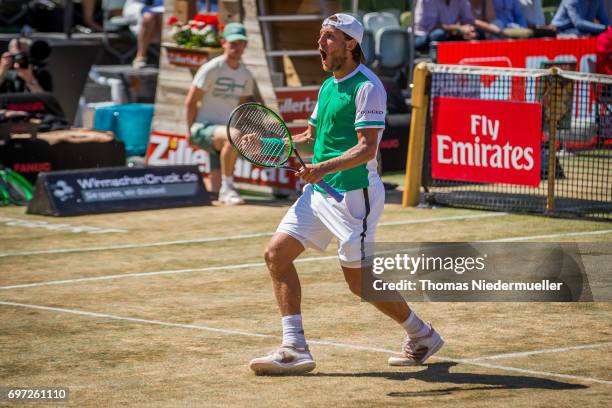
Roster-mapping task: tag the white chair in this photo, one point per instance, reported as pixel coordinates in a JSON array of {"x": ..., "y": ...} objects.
[
  {"x": 394, "y": 53},
  {"x": 375, "y": 21}
]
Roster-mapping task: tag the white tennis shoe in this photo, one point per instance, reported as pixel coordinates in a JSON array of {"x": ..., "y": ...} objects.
[
  {"x": 229, "y": 196},
  {"x": 284, "y": 360},
  {"x": 416, "y": 350}
]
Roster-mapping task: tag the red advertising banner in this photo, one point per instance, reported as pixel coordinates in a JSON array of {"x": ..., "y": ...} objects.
[
  {"x": 192, "y": 58},
  {"x": 486, "y": 141},
  {"x": 519, "y": 54},
  {"x": 297, "y": 103},
  {"x": 169, "y": 149},
  {"x": 574, "y": 54}
]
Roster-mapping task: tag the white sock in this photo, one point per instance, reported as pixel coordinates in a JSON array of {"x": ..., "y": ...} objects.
[
  {"x": 227, "y": 181},
  {"x": 293, "y": 332},
  {"x": 414, "y": 326}
]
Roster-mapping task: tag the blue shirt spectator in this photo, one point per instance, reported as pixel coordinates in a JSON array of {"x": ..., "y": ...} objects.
[
  {"x": 533, "y": 12},
  {"x": 509, "y": 14},
  {"x": 431, "y": 14},
  {"x": 578, "y": 17},
  {"x": 443, "y": 20}
]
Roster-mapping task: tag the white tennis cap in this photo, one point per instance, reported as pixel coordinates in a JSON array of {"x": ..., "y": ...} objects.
[{"x": 347, "y": 24}]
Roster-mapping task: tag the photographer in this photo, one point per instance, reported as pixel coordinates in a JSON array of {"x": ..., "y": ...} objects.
[{"x": 23, "y": 71}]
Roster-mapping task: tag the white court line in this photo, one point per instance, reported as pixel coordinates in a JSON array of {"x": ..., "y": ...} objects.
[
  {"x": 543, "y": 351},
  {"x": 450, "y": 218},
  {"x": 156, "y": 273},
  {"x": 319, "y": 342},
  {"x": 559, "y": 235},
  {"x": 130, "y": 246},
  {"x": 221, "y": 268},
  {"x": 228, "y": 238}
]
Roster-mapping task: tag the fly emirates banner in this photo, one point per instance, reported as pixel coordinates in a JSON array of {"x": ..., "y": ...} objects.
[{"x": 486, "y": 141}]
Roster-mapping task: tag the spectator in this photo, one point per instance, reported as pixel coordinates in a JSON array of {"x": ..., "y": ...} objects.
[
  {"x": 19, "y": 73},
  {"x": 89, "y": 8},
  {"x": 484, "y": 14},
  {"x": 219, "y": 86},
  {"x": 146, "y": 23},
  {"x": 145, "y": 18},
  {"x": 604, "y": 53},
  {"x": 510, "y": 19},
  {"x": 443, "y": 20},
  {"x": 533, "y": 12},
  {"x": 577, "y": 18}
]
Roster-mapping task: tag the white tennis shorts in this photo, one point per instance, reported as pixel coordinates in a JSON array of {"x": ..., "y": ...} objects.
[{"x": 315, "y": 218}]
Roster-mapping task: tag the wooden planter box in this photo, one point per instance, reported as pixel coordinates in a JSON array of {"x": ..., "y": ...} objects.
[{"x": 190, "y": 57}]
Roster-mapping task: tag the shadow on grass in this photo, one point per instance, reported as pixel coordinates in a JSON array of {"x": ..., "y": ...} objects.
[{"x": 440, "y": 373}]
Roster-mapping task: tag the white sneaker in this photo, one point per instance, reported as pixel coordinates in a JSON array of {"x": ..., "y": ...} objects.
[
  {"x": 416, "y": 351},
  {"x": 229, "y": 196},
  {"x": 284, "y": 360},
  {"x": 139, "y": 63}
]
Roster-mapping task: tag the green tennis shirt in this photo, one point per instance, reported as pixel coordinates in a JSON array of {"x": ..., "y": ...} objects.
[{"x": 354, "y": 102}]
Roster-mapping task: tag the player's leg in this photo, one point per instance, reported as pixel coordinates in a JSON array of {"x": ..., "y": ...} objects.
[
  {"x": 202, "y": 136},
  {"x": 228, "y": 156},
  {"x": 293, "y": 356},
  {"x": 298, "y": 229},
  {"x": 396, "y": 307},
  {"x": 213, "y": 181},
  {"x": 280, "y": 253},
  {"x": 354, "y": 222},
  {"x": 421, "y": 340}
]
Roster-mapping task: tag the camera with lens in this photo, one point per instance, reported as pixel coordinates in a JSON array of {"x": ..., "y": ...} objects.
[
  {"x": 36, "y": 55},
  {"x": 22, "y": 59}
]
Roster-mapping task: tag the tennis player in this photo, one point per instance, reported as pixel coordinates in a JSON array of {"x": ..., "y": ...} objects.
[{"x": 345, "y": 127}]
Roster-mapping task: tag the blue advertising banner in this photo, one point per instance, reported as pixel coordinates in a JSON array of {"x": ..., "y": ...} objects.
[{"x": 117, "y": 189}]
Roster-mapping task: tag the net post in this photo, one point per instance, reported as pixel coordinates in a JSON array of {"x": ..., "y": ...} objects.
[
  {"x": 416, "y": 143},
  {"x": 556, "y": 111}
]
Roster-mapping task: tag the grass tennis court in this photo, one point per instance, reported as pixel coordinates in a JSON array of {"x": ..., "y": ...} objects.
[{"x": 170, "y": 310}]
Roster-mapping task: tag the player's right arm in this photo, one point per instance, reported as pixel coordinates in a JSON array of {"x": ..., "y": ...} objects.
[{"x": 194, "y": 95}]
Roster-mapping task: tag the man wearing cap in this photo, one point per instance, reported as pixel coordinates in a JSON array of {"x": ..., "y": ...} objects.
[
  {"x": 346, "y": 126},
  {"x": 218, "y": 87}
]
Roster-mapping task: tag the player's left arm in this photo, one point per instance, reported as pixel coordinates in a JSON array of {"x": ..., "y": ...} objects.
[{"x": 362, "y": 152}]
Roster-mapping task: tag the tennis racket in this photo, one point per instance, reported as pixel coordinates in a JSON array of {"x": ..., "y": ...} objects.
[{"x": 262, "y": 138}]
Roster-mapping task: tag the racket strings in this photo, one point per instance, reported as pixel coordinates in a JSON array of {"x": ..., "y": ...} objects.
[{"x": 259, "y": 136}]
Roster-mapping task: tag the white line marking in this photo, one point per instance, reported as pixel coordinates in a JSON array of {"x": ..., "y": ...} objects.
[
  {"x": 130, "y": 246},
  {"x": 543, "y": 351},
  {"x": 136, "y": 320},
  {"x": 559, "y": 235},
  {"x": 191, "y": 270},
  {"x": 319, "y": 342},
  {"x": 75, "y": 229},
  {"x": 233, "y": 237},
  {"x": 451, "y": 218},
  {"x": 155, "y": 273}
]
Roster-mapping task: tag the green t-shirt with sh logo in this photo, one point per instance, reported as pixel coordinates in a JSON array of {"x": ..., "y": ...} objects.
[{"x": 223, "y": 87}]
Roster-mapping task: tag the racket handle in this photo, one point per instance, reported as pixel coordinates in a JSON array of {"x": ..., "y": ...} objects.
[{"x": 331, "y": 191}]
